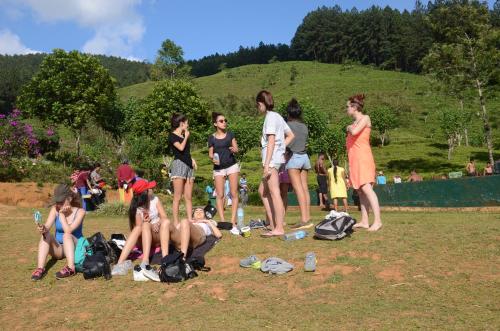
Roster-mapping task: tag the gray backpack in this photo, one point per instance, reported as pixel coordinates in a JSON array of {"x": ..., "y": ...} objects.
[{"x": 334, "y": 228}]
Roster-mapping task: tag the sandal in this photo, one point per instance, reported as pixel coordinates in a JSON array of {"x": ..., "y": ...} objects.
[
  {"x": 38, "y": 274},
  {"x": 65, "y": 272}
]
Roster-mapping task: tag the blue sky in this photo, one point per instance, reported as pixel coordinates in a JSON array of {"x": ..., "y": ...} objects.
[{"x": 135, "y": 28}]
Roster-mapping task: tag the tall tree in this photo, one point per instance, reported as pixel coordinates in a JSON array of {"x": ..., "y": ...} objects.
[
  {"x": 71, "y": 89},
  {"x": 169, "y": 63},
  {"x": 467, "y": 50},
  {"x": 383, "y": 119}
]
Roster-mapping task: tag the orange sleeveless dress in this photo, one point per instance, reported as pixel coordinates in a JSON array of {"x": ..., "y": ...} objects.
[{"x": 361, "y": 162}]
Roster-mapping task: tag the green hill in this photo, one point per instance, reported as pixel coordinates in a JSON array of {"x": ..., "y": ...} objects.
[{"x": 416, "y": 144}]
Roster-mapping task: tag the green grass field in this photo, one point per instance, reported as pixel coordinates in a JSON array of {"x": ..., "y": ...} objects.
[
  {"x": 431, "y": 270},
  {"x": 417, "y": 144}
]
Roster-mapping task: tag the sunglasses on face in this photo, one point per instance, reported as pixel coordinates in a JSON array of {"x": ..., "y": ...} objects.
[{"x": 222, "y": 121}]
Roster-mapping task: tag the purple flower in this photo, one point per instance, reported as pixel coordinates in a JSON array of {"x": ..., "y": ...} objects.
[
  {"x": 13, "y": 123},
  {"x": 28, "y": 129},
  {"x": 6, "y": 141},
  {"x": 50, "y": 132},
  {"x": 15, "y": 113},
  {"x": 2, "y": 116}
]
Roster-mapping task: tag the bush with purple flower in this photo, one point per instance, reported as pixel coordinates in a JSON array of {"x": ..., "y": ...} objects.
[{"x": 18, "y": 139}]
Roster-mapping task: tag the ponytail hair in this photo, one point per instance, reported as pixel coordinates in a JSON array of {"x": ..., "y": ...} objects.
[
  {"x": 358, "y": 101},
  {"x": 335, "y": 164},
  {"x": 176, "y": 120},
  {"x": 293, "y": 110},
  {"x": 215, "y": 115},
  {"x": 138, "y": 201}
]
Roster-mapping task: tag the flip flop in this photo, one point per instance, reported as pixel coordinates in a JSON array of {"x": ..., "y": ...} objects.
[{"x": 270, "y": 235}]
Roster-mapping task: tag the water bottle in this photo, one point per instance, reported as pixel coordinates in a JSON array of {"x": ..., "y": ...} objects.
[
  {"x": 295, "y": 235},
  {"x": 216, "y": 158},
  {"x": 241, "y": 217}
]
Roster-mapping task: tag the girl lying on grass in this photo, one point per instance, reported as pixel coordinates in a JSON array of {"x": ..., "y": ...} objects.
[{"x": 67, "y": 216}]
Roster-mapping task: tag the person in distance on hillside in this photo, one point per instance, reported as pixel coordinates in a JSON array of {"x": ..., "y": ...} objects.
[
  {"x": 470, "y": 168},
  {"x": 361, "y": 162},
  {"x": 414, "y": 177},
  {"x": 488, "y": 170},
  {"x": 222, "y": 147},
  {"x": 276, "y": 135}
]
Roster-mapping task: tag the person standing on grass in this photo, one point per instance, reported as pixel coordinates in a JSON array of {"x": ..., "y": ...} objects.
[
  {"x": 222, "y": 146},
  {"x": 276, "y": 135},
  {"x": 321, "y": 177},
  {"x": 67, "y": 216},
  {"x": 299, "y": 165},
  {"x": 82, "y": 184},
  {"x": 338, "y": 186},
  {"x": 361, "y": 162},
  {"x": 284, "y": 180},
  {"x": 414, "y": 177},
  {"x": 182, "y": 167},
  {"x": 125, "y": 174},
  {"x": 381, "y": 179}
]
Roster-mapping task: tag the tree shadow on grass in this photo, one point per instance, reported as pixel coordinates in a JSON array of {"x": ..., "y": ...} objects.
[
  {"x": 483, "y": 156},
  {"x": 439, "y": 145},
  {"x": 420, "y": 165}
]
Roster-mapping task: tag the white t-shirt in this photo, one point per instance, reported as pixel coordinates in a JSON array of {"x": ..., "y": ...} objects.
[{"x": 276, "y": 125}]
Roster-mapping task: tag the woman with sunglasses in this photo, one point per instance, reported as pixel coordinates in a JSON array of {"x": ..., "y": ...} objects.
[{"x": 222, "y": 147}]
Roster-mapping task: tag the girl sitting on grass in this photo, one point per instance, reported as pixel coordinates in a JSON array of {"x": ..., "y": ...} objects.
[
  {"x": 149, "y": 224},
  {"x": 67, "y": 216}
]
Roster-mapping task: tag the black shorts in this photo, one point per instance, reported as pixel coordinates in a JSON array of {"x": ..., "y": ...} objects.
[{"x": 323, "y": 185}]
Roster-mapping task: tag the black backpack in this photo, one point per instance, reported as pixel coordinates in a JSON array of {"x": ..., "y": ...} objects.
[
  {"x": 98, "y": 263},
  {"x": 174, "y": 269},
  {"x": 335, "y": 228}
]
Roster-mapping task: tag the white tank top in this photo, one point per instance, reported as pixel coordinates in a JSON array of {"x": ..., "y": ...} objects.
[{"x": 154, "y": 216}]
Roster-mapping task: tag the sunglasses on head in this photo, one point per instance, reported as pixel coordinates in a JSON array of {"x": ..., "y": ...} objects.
[{"x": 222, "y": 121}]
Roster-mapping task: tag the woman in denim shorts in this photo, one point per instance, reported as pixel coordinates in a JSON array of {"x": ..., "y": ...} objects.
[
  {"x": 182, "y": 167},
  {"x": 299, "y": 165},
  {"x": 222, "y": 147}
]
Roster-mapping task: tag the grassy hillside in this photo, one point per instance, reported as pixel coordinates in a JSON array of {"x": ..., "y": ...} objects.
[{"x": 416, "y": 144}]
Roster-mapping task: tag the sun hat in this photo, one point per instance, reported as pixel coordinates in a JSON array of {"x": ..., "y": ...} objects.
[
  {"x": 61, "y": 193},
  {"x": 143, "y": 185}
]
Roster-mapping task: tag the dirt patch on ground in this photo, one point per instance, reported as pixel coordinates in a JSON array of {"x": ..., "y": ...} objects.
[
  {"x": 391, "y": 274},
  {"x": 25, "y": 194},
  {"x": 32, "y": 195},
  {"x": 225, "y": 265}
]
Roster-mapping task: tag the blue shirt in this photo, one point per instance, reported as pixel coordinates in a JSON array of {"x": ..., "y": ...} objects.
[
  {"x": 60, "y": 231},
  {"x": 381, "y": 180}
]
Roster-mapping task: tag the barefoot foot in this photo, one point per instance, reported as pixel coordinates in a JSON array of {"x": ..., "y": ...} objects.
[
  {"x": 375, "y": 227},
  {"x": 361, "y": 226}
]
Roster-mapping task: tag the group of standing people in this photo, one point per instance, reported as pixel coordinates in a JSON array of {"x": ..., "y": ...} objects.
[{"x": 284, "y": 145}]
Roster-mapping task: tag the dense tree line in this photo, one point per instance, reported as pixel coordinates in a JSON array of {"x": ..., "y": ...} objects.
[
  {"x": 17, "y": 70},
  {"x": 384, "y": 37},
  {"x": 262, "y": 54}
]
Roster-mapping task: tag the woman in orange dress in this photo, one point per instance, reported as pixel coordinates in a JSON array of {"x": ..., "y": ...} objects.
[{"x": 361, "y": 162}]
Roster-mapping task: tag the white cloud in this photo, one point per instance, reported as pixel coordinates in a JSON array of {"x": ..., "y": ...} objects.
[
  {"x": 116, "y": 23},
  {"x": 11, "y": 44}
]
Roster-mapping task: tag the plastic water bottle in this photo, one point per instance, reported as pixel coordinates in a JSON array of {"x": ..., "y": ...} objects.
[
  {"x": 241, "y": 217},
  {"x": 216, "y": 158},
  {"x": 295, "y": 235}
]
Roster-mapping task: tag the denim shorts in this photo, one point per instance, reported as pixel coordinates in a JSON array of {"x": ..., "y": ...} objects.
[{"x": 299, "y": 161}]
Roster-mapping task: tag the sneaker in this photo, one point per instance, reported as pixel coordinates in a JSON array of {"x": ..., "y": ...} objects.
[
  {"x": 38, "y": 274},
  {"x": 235, "y": 231},
  {"x": 65, "y": 272},
  {"x": 310, "y": 263},
  {"x": 121, "y": 269},
  {"x": 256, "y": 224},
  {"x": 150, "y": 273},
  {"x": 138, "y": 275},
  {"x": 251, "y": 262},
  {"x": 301, "y": 225}
]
